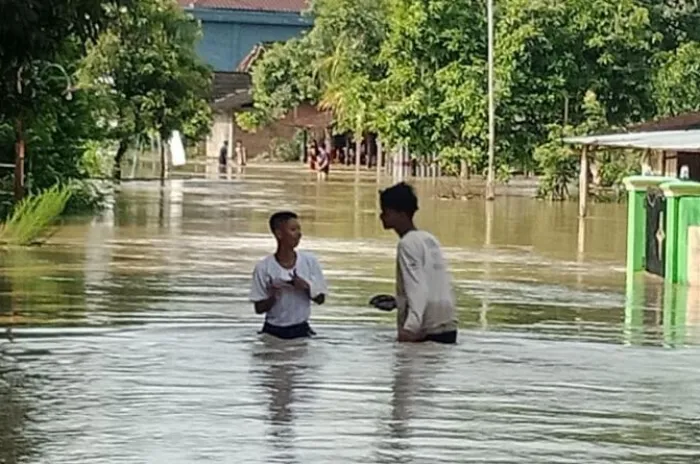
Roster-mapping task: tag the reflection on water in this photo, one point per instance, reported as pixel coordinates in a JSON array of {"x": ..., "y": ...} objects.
[
  {"x": 136, "y": 333},
  {"x": 661, "y": 313},
  {"x": 285, "y": 372}
]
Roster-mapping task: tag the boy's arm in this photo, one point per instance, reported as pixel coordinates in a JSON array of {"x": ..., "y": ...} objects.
[
  {"x": 416, "y": 288},
  {"x": 259, "y": 293},
  {"x": 317, "y": 287}
]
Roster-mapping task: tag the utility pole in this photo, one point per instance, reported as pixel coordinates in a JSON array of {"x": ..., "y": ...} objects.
[{"x": 491, "y": 179}]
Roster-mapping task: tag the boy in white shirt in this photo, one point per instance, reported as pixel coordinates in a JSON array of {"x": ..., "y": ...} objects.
[
  {"x": 424, "y": 297},
  {"x": 286, "y": 282}
]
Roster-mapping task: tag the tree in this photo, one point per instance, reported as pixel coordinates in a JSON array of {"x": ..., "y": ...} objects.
[
  {"x": 415, "y": 71},
  {"x": 146, "y": 63},
  {"x": 282, "y": 79},
  {"x": 33, "y": 34},
  {"x": 677, "y": 80},
  {"x": 334, "y": 66}
]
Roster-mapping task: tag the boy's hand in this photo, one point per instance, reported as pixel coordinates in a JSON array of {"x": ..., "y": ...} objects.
[
  {"x": 274, "y": 290},
  {"x": 408, "y": 336},
  {"x": 300, "y": 284}
]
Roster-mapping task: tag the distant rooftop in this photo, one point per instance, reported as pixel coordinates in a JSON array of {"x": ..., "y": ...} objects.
[
  {"x": 685, "y": 121},
  {"x": 281, "y": 6},
  {"x": 246, "y": 64}
]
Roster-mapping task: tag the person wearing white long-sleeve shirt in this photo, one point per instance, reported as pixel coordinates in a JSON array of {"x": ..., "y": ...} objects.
[{"x": 424, "y": 297}]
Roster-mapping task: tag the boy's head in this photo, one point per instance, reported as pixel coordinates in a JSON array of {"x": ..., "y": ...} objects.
[
  {"x": 285, "y": 226},
  {"x": 399, "y": 204}
]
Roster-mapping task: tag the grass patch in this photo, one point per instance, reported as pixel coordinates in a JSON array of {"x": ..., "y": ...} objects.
[{"x": 32, "y": 219}]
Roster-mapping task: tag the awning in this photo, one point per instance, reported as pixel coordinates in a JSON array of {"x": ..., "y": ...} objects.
[
  {"x": 234, "y": 101},
  {"x": 678, "y": 140}
]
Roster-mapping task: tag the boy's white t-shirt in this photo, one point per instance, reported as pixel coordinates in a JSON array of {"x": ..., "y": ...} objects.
[
  {"x": 424, "y": 294},
  {"x": 293, "y": 306}
]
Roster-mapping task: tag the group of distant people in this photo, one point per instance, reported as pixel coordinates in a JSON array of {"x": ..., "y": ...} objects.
[
  {"x": 320, "y": 157},
  {"x": 239, "y": 152},
  {"x": 287, "y": 282}
]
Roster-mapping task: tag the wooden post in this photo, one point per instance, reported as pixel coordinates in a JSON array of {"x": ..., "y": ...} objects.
[
  {"x": 231, "y": 142},
  {"x": 380, "y": 158},
  {"x": 163, "y": 161},
  {"x": 19, "y": 160},
  {"x": 327, "y": 140},
  {"x": 399, "y": 163},
  {"x": 387, "y": 161},
  {"x": 583, "y": 183},
  {"x": 304, "y": 153},
  {"x": 663, "y": 162},
  {"x": 368, "y": 150}
]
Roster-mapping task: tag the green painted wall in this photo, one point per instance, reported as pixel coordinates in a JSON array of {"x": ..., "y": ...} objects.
[
  {"x": 688, "y": 215},
  {"x": 636, "y": 230}
]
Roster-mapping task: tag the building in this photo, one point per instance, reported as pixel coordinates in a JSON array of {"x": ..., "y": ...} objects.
[
  {"x": 671, "y": 146},
  {"x": 232, "y": 28},
  {"x": 235, "y": 35}
]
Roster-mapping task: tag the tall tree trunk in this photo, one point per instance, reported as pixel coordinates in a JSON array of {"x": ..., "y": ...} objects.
[
  {"x": 121, "y": 150},
  {"x": 162, "y": 162},
  {"x": 19, "y": 159},
  {"x": 368, "y": 144},
  {"x": 358, "y": 147}
]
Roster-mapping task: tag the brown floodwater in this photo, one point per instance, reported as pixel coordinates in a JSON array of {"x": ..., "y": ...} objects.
[{"x": 128, "y": 338}]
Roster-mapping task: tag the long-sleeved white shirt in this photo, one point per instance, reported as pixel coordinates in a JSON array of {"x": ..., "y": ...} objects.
[{"x": 424, "y": 296}]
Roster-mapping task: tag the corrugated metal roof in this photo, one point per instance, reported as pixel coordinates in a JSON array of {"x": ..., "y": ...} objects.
[
  {"x": 680, "y": 140},
  {"x": 235, "y": 100},
  {"x": 683, "y": 121},
  {"x": 281, "y": 6},
  {"x": 226, "y": 83}
]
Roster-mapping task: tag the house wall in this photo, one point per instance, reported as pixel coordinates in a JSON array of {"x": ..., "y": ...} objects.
[
  {"x": 259, "y": 141},
  {"x": 229, "y": 35}
]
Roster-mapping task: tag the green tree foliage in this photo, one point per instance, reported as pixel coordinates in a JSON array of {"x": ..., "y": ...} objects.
[
  {"x": 34, "y": 33},
  {"x": 414, "y": 71},
  {"x": 282, "y": 80},
  {"x": 47, "y": 51},
  {"x": 559, "y": 162},
  {"x": 677, "y": 80},
  {"x": 146, "y": 65}
]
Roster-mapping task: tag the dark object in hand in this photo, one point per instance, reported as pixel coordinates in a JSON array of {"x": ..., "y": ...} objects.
[{"x": 383, "y": 302}]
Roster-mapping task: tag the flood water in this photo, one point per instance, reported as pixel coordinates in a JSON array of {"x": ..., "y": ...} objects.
[{"x": 133, "y": 341}]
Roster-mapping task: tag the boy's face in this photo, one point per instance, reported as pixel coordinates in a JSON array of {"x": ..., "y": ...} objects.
[
  {"x": 389, "y": 218},
  {"x": 289, "y": 233}
]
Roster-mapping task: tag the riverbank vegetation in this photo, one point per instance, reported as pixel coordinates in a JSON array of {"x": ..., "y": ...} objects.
[
  {"x": 414, "y": 72},
  {"x": 32, "y": 218},
  {"x": 80, "y": 83}
]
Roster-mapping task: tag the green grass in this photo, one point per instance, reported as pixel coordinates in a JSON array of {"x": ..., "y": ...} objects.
[{"x": 33, "y": 218}]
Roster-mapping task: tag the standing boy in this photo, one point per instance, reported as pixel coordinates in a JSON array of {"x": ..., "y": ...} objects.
[
  {"x": 323, "y": 162},
  {"x": 286, "y": 282},
  {"x": 424, "y": 297}
]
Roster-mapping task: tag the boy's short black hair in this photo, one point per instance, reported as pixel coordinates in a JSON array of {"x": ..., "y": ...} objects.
[
  {"x": 279, "y": 218},
  {"x": 399, "y": 197}
]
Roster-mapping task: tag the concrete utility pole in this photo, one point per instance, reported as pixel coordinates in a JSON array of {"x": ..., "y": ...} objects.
[{"x": 491, "y": 179}]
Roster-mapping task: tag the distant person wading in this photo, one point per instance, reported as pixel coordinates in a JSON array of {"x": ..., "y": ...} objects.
[{"x": 223, "y": 157}]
